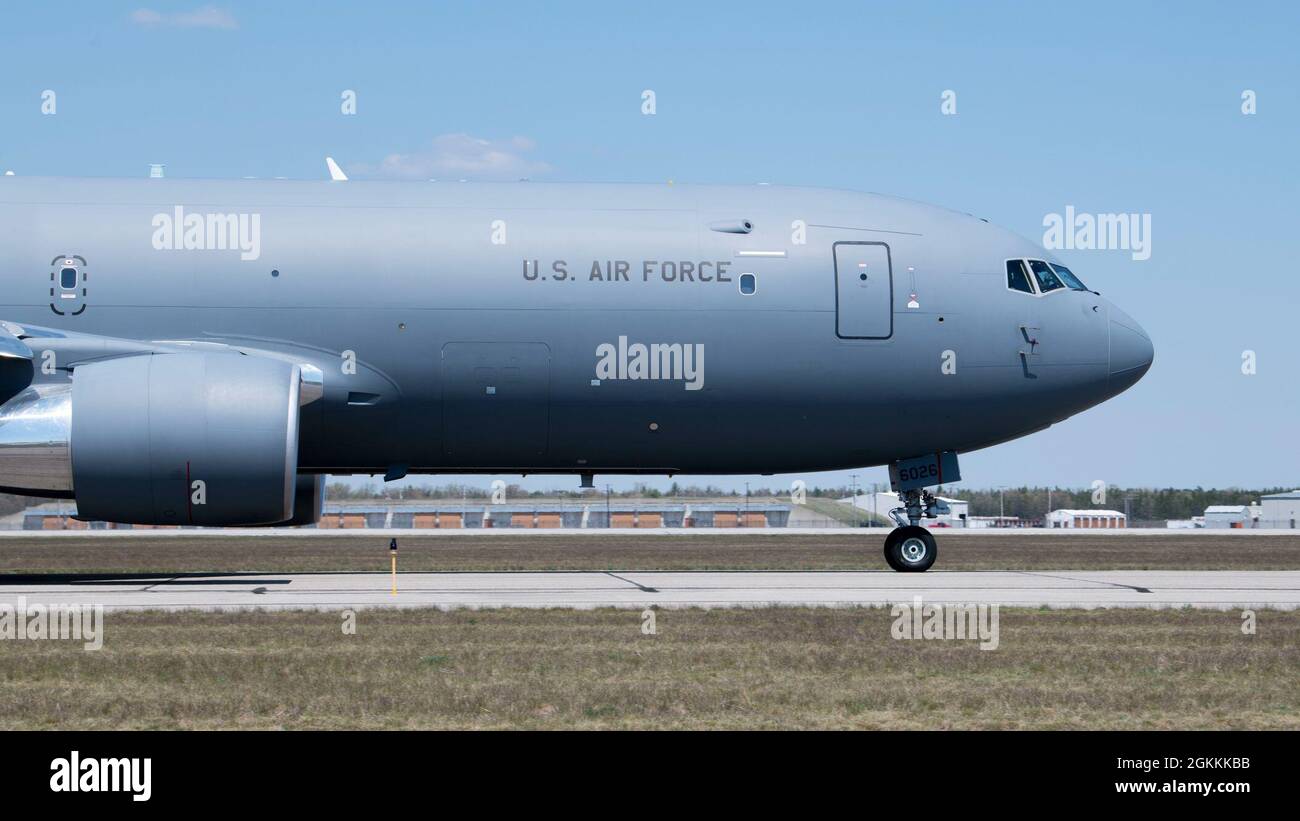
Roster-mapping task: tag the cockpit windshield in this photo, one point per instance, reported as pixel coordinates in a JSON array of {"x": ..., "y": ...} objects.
[
  {"x": 1036, "y": 277},
  {"x": 1047, "y": 280},
  {"x": 1018, "y": 277},
  {"x": 1067, "y": 276}
]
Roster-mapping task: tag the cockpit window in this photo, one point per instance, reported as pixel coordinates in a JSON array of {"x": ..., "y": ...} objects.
[
  {"x": 1067, "y": 276},
  {"x": 1018, "y": 277},
  {"x": 1047, "y": 280}
]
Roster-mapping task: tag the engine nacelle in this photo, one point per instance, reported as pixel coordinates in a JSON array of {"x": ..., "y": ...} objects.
[
  {"x": 308, "y": 501},
  {"x": 177, "y": 439},
  {"x": 191, "y": 439}
]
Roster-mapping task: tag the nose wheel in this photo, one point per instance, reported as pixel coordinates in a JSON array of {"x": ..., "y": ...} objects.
[{"x": 910, "y": 549}]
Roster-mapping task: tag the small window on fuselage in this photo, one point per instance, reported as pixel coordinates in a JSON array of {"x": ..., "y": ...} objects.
[
  {"x": 1047, "y": 278},
  {"x": 1018, "y": 277},
  {"x": 68, "y": 278}
]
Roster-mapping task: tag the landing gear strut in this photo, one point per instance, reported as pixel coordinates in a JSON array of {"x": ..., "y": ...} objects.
[{"x": 910, "y": 548}]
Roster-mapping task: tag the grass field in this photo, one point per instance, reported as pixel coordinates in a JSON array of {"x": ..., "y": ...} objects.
[
  {"x": 831, "y": 551},
  {"x": 844, "y": 514},
  {"x": 552, "y": 669},
  {"x": 774, "y": 668}
]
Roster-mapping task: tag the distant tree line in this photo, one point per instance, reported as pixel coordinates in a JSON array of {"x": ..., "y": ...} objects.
[
  {"x": 1029, "y": 503},
  {"x": 341, "y": 491},
  {"x": 1144, "y": 504},
  {"x": 12, "y": 504}
]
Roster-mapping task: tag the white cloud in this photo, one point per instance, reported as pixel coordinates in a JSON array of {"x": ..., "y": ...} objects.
[
  {"x": 204, "y": 17},
  {"x": 461, "y": 156}
]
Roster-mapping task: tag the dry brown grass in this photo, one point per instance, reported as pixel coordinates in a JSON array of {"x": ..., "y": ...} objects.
[
  {"x": 1039, "y": 551},
  {"x": 771, "y": 668}
]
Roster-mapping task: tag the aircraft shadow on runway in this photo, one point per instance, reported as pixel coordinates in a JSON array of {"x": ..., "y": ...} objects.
[{"x": 35, "y": 579}]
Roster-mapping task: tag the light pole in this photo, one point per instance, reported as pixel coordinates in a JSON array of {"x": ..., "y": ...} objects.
[{"x": 853, "y": 496}]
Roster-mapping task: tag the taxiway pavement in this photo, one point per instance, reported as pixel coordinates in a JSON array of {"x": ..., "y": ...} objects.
[{"x": 636, "y": 589}]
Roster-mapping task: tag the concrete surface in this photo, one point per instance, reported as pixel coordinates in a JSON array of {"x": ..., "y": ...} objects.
[{"x": 635, "y": 589}]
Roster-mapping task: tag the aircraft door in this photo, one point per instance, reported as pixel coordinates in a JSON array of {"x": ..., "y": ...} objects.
[
  {"x": 496, "y": 403},
  {"x": 864, "y": 291},
  {"x": 68, "y": 277}
]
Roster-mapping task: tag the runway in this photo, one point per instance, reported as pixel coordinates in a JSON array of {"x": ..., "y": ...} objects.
[{"x": 637, "y": 589}]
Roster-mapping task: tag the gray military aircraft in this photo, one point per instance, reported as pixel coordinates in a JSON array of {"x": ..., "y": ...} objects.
[{"x": 204, "y": 352}]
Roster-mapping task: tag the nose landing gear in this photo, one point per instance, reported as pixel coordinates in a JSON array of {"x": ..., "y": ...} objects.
[{"x": 910, "y": 548}]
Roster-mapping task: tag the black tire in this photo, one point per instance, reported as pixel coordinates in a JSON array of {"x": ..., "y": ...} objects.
[
  {"x": 911, "y": 549},
  {"x": 889, "y": 551}
]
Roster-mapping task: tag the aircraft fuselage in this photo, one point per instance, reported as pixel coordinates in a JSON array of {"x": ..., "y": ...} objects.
[{"x": 532, "y": 327}]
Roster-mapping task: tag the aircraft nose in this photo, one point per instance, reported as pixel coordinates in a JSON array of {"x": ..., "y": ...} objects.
[{"x": 1131, "y": 351}]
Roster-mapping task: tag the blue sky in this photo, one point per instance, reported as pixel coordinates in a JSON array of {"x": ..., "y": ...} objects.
[{"x": 1109, "y": 107}]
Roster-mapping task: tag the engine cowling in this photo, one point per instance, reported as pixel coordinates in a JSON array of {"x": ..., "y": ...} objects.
[
  {"x": 177, "y": 439},
  {"x": 308, "y": 501}
]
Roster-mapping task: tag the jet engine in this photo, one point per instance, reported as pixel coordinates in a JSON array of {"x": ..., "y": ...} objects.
[
  {"x": 308, "y": 501},
  {"x": 193, "y": 438}
]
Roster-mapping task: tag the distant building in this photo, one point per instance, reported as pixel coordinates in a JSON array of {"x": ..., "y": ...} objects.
[
  {"x": 1227, "y": 516},
  {"x": 1073, "y": 519},
  {"x": 1280, "y": 510},
  {"x": 547, "y": 515},
  {"x": 457, "y": 515},
  {"x": 882, "y": 502},
  {"x": 982, "y": 522}
]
